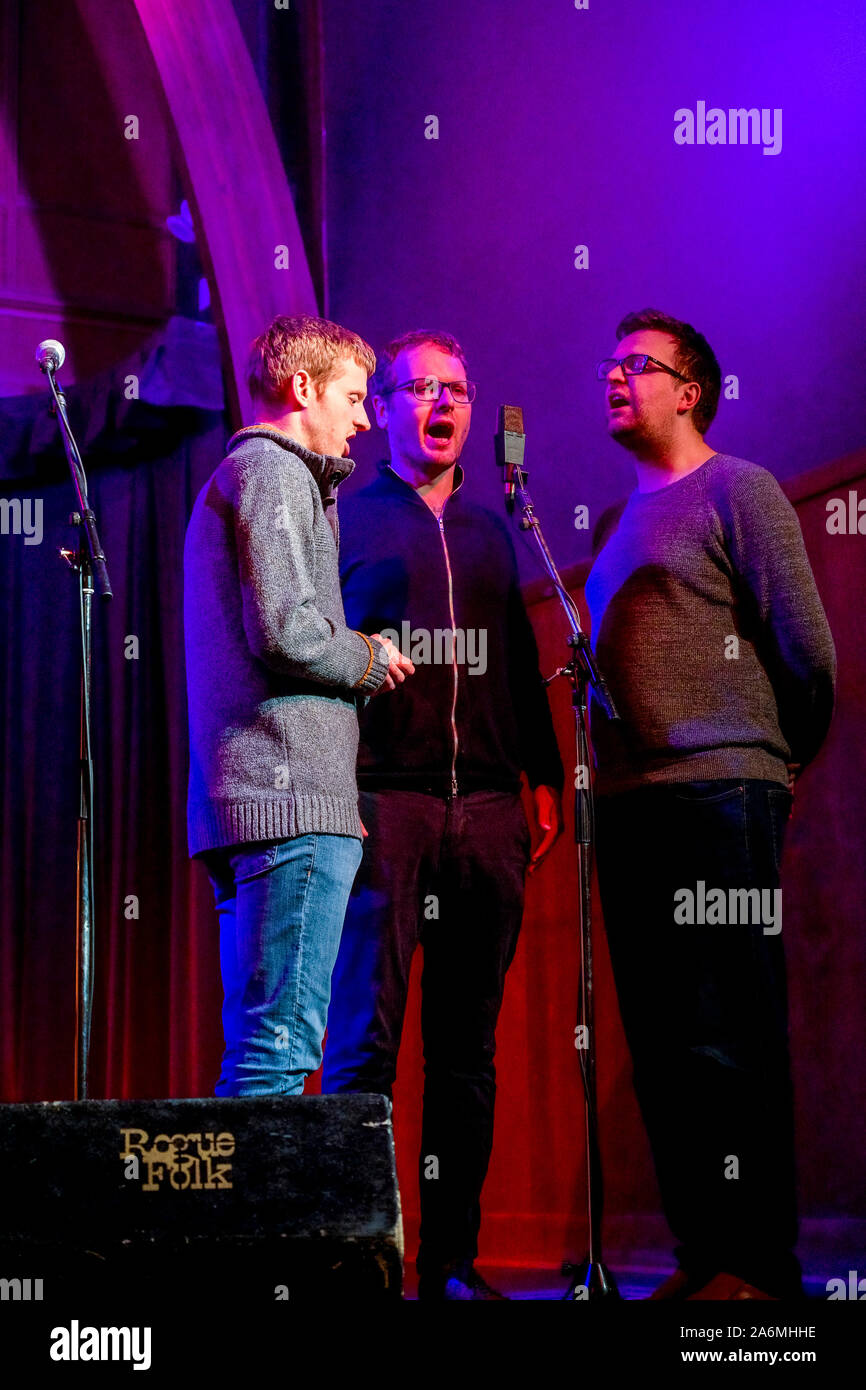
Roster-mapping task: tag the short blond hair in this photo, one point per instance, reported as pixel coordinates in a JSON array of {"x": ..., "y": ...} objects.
[
  {"x": 385, "y": 379},
  {"x": 300, "y": 342}
]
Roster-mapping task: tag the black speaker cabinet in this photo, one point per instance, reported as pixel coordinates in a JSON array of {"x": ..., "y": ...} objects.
[{"x": 267, "y": 1200}]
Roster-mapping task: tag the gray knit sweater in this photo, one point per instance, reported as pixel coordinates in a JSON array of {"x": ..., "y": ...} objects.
[
  {"x": 273, "y": 673},
  {"x": 708, "y": 626}
]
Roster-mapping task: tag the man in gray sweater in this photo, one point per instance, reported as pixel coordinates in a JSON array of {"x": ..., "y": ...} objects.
[
  {"x": 708, "y": 626},
  {"x": 274, "y": 677}
]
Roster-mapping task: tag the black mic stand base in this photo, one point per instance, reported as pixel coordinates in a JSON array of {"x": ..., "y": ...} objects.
[{"x": 590, "y": 1281}]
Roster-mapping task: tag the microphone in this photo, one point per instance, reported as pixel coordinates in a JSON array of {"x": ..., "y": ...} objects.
[
  {"x": 510, "y": 443},
  {"x": 50, "y": 355}
]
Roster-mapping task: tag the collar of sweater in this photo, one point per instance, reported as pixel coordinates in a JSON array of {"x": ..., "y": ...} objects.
[
  {"x": 327, "y": 470},
  {"x": 398, "y": 484}
]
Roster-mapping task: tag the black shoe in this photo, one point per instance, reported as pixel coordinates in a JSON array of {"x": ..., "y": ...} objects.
[{"x": 458, "y": 1281}]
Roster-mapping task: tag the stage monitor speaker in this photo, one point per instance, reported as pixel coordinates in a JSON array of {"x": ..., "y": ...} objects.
[{"x": 263, "y": 1200}]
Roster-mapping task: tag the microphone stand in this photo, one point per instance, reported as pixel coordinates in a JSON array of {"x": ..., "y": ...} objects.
[
  {"x": 591, "y": 1279},
  {"x": 88, "y": 561}
]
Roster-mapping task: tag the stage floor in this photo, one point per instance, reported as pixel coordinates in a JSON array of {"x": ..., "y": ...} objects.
[{"x": 634, "y": 1282}]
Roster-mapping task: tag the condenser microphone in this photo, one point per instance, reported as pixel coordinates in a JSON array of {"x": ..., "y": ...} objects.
[
  {"x": 510, "y": 444},
  {"x": 50, "y": 355}
]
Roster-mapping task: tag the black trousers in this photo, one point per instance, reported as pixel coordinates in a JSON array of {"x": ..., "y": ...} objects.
[
  {"x": 448, "y": 875},
  {"x": 704, "y": 1007}
]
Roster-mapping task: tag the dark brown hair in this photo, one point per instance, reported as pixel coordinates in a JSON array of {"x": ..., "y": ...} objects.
[{"x": 694, "y": 358}]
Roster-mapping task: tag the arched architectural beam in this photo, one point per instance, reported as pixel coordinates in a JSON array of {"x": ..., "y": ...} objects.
[{"x": 237, "y": 187}]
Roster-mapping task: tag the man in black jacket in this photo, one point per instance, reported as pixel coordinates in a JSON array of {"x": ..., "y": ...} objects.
[{"x": 439, "y": 778}]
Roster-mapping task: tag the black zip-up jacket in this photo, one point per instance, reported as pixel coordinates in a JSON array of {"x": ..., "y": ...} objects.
[{"x": 478, "y": 716}]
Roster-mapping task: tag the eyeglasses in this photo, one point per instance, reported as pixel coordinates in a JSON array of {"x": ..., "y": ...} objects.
[
  {"x": 430, "y": 388},
  {"x": 634, "y": 365}
]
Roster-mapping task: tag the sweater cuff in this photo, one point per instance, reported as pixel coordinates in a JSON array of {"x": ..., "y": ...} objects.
[{"x": 377, "y": 667}]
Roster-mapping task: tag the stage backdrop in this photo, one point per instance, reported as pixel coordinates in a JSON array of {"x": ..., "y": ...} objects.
[{"x": 523, "y": 175}]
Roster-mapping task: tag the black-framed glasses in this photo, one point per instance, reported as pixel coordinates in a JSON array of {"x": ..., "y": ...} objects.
[
  {"x": 634, "y": 365},
  {"x": 430, "y": 388}
]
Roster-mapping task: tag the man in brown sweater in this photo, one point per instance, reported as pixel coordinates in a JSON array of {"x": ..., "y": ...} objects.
[{"x": 709, "y": 629}]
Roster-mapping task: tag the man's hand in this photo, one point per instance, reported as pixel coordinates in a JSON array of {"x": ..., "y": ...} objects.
[
  {"x": 399, "y": 666},
  {"x": 548, "y": 820}
]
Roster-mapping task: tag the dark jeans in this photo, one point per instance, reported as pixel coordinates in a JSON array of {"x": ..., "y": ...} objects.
[
  {"x": 705, "y": 1013},
  {"x": 447, "y": 874}
]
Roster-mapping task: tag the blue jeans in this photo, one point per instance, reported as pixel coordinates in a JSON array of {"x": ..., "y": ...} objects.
[
  {"x": 705, "y": 1012},
  {"x": 280, "y": 905}
]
